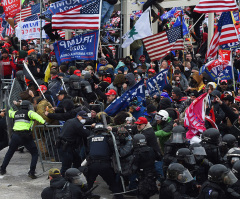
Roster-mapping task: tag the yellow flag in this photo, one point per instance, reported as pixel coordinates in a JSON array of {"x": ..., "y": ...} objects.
[{"x": 47, "y": 72}]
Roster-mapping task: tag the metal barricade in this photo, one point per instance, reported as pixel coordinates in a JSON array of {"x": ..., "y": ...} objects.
[
  {"x": 5, "y": 86},
  {"x": 46, "y": 141}
]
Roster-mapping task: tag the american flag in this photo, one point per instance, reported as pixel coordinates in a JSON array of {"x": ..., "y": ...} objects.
[
  {"x": 27, "y": 12},
  {"x": 225, "y": 32},
  {"x": 85, "y": 16},
  {"x": 9, "y": 30},
  {"x": 31, "y": 18},
  {"x": 208, "y": 6},
  {"x": 159, "y": 45}
]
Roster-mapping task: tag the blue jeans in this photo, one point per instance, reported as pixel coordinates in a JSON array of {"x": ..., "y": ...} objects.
[
  {"x": 137, "y": 53},
  {"x": 107, "y": 10},
  {"x": 17, "y": 141}
]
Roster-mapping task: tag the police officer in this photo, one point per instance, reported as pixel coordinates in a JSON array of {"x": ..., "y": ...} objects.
[
  {"x": 99, "y": 160},
  {"x": 174, "y": 186},
  {"x": 210, "y": 141},
  {"x": 23, "y": 122},
  {"x": 216, "y": 187},
  {"x": 228, "y": 141},
  {"x": 202, "y": 163},
  {"x": 144, "y": 165},
  {"x": 236, "y": 172},
  {"x": 172, "y": 145},
  {"x": 73, "y": 136}
]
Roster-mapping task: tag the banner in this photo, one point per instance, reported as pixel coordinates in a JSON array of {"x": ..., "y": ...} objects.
[
  {"x": 195, "y": 116},
  {"x": 11, "y": 8},
  {"x": 123, "y": 101},
  {"x": 81, "y": 47},
  {"x": 61, "y": 6},
  {"x": 160, "y": 79},
  {"x": 230, "y": 46},
  {"x": 30, "y": 30}
]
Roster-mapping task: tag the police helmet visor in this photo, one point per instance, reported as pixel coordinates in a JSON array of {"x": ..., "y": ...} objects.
[
  {"x": 199, "y": 151},
  {"x": 158, "y": 117},
  {"x": 185, "y": 177},
  {"x": 234, "y": 159},
  {"x": 229, "y": 178},
  {"x": 88, "y": 89},
  {"x": 77, "y": 180},
  {"x": 177, "y": 138},
  {"x": 76, "y": 85},
  {"x": 190, "y": 159}
]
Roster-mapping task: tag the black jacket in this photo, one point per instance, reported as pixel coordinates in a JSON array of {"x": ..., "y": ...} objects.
[
  {"x": 72, "y": 130},
  {"x": 64, "y": 116},
  {"x": 58, "y": 183}
]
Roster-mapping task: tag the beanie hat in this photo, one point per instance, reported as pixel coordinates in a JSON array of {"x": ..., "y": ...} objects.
[
  {"x": 168, "y": 88},
  {"x": 151, "y": 108},
  {"x": 177, "y": 91}
]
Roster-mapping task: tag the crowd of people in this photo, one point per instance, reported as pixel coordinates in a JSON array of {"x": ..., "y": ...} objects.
[{"x": 141, "y": 150}]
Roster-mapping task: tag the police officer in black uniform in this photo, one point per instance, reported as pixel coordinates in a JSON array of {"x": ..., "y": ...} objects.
[
  {"x": 216, "y": 187},
  {"x": 22, "y": 135},
  {"x": 144, "y": 165},
  {"x": 174, "y": 186},
  {"x": 210, "y": 141},
  {"x": 236, "y": 172},
  {"x": 228, "y": 141},
  {"x": 99, "y": 160},
  {"x": 72, "y": 137},
  {"x": 172, "y": 145}
]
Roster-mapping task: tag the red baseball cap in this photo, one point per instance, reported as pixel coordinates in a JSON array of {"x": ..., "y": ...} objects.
[
  {"x": 224, "y": 81},
  {"x": 77, "y": 72},
  {"x": 151, "y": 71},
  {"x": 111, "y": 92},
  {"x": 141, "y": 120},
  {"x": 42, "y": 88}
]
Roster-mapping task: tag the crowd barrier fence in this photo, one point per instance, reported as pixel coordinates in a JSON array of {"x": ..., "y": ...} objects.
[{"x": 46, "y": 140}]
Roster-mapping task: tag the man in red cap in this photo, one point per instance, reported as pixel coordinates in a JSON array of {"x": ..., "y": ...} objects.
[
  {"x": 111, "y": 95},
  {"x": 145, "y": 128},
  {"x": 151, "y": 73}
]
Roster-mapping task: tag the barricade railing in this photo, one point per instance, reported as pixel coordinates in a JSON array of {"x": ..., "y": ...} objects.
[
  {"x": 5, "y": 85},
  {"x": 46, "y": 140}
]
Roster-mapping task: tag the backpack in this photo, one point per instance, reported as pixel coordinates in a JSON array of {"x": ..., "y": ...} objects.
[{"x": 63, "y": 193}]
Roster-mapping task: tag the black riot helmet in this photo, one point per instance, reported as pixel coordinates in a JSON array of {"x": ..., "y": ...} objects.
[
  {"x": 25, "y": 104},
  {"x": 86, "y": 86},
  {"x": 87, "y": 76},
  {"x": 179, "y": 173},
  {"x": 233, "y": 155},
  {"x": 185, "y": 155},
  {"x": 198, "y": 151},
  {"x": 139, "y": 140},
  {"x": 178, "y": 134},
  {"x": 236, "y": 169},
  {"x": 211, "y": 136},
  {"x": 74, "y": 82},
  {"x": 220, "y": 174},
  {"x": 73, "y": 175},
  {"x": 20, "y": 75},
  {"x": 229, "y": 140}
]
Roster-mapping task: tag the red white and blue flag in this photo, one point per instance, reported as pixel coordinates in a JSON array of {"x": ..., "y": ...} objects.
[
  {"x": 84, "y": 16},
  {"x": 209, "y": 6},
  {"x": 27, "y": 12},
  {"x": 225, "y": 32}
]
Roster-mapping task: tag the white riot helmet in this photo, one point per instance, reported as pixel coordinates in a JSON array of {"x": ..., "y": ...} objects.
[{"x": 162, "y": 115}]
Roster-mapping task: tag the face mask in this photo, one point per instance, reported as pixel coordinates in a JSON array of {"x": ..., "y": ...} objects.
[{"x": 83, "y": 121}]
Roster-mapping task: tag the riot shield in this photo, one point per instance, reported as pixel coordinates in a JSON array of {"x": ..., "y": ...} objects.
[
  {"x": 14, "y": 95},
  {"x": 116, "y": 152}
]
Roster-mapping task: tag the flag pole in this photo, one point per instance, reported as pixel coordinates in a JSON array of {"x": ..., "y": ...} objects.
[
  {"x": 20, "y": 26},
  {"x": 40, "y": 48},
  {"x": 234, "y": 86}
]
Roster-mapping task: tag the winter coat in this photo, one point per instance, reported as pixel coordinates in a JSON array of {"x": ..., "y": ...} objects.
[
  {"x": 151, "y": 138},
  {"x": 163, "y": 131}
]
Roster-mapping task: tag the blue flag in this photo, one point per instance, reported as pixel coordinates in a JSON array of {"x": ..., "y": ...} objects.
[
  {"x": 225, "y": 74},
  {"x": 61, "y": 6},
  {"x": 184, "y": 26},
  {"x": 169, "y": 14},
  {"x": 123, "y": 101},
  {"x": 160, "y": 79},
  {"x": 81, "y": 47}
]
